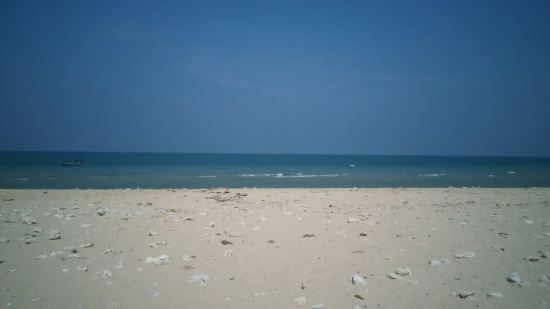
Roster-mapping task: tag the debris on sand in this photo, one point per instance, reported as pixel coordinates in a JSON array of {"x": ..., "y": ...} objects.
[
  {"x": 226, "y": 242},
  {"x": 106, "y": 274},
  {"x": 28, "y": 220},
  {"x": 201, "y": 278},
  {"x": 235, "y": 234},
  {"x": 465, "y": 255},
  {"x": 158, "y": 244},
  {"x": 300, "y": 300},
  {"x": 436, "y": 262},
  {"x": 159, "y": 260}
]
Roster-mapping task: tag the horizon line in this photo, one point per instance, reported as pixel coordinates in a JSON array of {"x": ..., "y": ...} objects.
[{"x": 280, "y": 153}]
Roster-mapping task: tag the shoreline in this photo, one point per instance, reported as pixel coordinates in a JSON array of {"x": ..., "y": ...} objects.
[{"x": 275, "y": 247}]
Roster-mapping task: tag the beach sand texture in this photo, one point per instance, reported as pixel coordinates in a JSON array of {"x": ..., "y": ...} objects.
[{"x": 275, "y": 248}]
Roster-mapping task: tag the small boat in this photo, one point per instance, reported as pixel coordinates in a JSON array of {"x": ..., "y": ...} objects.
[{"x": 72, "y": 163}]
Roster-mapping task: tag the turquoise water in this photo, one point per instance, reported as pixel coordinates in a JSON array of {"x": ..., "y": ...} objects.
[{"x": 170, "y": 170}]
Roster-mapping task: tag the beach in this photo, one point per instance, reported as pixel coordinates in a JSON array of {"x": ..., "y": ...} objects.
[{"x": 275, "y": 248}]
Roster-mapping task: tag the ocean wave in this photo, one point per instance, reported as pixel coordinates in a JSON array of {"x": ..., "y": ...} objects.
[
  {"x": 307, "y": 176},
  {"x": 296, "y": 175},
  {"x": 207, "y": 176},
  {"x": 432, "y": 175},
  {"x": 258, "y": 175}
]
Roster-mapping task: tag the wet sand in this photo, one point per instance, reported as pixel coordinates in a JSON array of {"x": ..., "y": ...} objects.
[{"x": 275, "y": 248}]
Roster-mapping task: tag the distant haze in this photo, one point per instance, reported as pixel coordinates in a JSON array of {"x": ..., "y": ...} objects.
[{"x": 349, "y": 77}]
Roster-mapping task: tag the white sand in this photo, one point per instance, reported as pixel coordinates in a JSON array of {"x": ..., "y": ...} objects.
[{"x": 163, "y": 248}]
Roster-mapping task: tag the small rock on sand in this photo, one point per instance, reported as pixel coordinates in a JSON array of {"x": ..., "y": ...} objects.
[
  {"x": 55, "y": 235},
  {"x": 87, "y": 245},
  {"x": 403, "y": 271},
  {"x": 353, "y": 220},
  {"x": 434, "y": 262},
  {"x": 532, "y": 258},
  {"x": 513, "y": 277},
  {"x": 28, "y": 220},
  {"x": 466, "y": 294},
  {"x": 494, "y": 294},
  {"x": 358, "y": 279},
  {"x": 226, "y": 242},
  {"x": 101, "y": 211},
  {"x": 392, "y": 275},
  {"x": 309, "y": 235},
  {"x": 153, "y": 233}
]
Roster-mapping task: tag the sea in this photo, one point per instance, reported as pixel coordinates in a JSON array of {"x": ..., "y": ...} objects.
[{"x": 44, "y": 170}]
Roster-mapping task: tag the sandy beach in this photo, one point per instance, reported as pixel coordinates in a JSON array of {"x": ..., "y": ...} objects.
[{"x": 275, "y": 248}]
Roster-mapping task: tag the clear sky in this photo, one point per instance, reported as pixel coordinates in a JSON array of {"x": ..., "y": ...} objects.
[{"x": 365, "y": 77}]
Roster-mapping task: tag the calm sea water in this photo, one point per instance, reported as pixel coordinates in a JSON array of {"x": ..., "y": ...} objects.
[{"x": 167, "y": 170}]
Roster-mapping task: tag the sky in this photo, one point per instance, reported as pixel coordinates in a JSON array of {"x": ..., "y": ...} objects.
[{"x": 331, "y": 77}]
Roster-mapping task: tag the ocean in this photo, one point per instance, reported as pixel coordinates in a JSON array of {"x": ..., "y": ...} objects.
[{"x": 44, "y": 170}]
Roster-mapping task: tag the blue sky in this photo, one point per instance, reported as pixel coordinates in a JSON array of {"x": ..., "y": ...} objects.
[{"x": 361, "y": 77}]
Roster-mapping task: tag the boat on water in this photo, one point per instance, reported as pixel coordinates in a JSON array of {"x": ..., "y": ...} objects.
[{"x": 72, "y": 163}]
